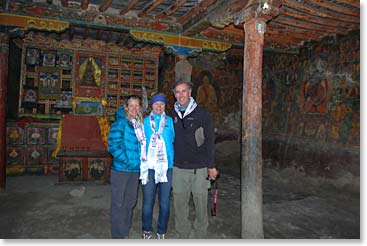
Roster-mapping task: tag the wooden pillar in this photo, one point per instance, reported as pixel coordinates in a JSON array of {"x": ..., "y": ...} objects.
[
  {"x": 4, "y": 52},
  {"x": 251, "y": 156}
]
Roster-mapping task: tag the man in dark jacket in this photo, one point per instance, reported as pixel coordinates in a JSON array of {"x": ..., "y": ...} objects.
[{"x": 194, "y": 162}]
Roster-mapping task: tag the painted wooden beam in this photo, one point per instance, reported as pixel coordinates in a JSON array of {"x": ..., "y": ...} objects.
[
  {"x": 283, "y": 34},
  {"x": 307, "y": 25},
  {"x": 180, "y": 41},
  {"x": 319, "y": 20},
  {"x": 33, "y": 22},
  {"x": 316, "y": 12},
  {"x": 280, "y": 28},
  {"x": 334, "y": 7},
  {"x": 354, "y": 3}
]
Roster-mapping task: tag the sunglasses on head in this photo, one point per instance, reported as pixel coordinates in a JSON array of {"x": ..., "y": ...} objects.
[{"x": 132, "y": 97}]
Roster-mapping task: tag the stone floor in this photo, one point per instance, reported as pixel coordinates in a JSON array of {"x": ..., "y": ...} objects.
[{"x": 294, "y": 207}]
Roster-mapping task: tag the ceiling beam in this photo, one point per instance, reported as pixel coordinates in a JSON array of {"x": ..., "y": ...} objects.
[
  {"x": 293, "y": 29},
  {"x": 334, "y": 7},
  {"x": 353, "y": 3},
  {"x": 153, "y": 4},
  {"x": 201, "y": 7},
  {"x": 286, "y": 39},
  {"x": 285, "y": 34},
  {"x": 319, "y": 20},
  {"x": 106, "y": 4},
  {"x": 317, "y": 12},
  {"x": 200, "y": 23},
  {"x": 128, "y": 7},
  {"x": 307, "y": 25},
  {"x": 171, "y": 9}
]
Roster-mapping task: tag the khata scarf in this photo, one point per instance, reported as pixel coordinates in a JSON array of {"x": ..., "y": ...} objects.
[
  {"x": 139, "y": 132},
  {"x": 190, "y": 107},
  {"x": 157, "y": 154}
]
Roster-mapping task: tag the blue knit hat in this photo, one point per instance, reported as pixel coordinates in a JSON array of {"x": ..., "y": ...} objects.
[{"x": 158, "y": 98}]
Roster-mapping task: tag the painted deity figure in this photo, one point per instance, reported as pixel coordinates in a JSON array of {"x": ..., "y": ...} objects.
[
  {"x": 206, "y": 95},
  {"x": 90, "y": 73}
]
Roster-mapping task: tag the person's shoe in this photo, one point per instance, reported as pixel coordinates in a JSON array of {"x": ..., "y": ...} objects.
[
  {"x": 147, "y": 235},
  {"x": 160, "y": 236}
]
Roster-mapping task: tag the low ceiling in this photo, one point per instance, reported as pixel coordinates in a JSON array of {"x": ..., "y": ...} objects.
[{"x": 290, "y": 23}]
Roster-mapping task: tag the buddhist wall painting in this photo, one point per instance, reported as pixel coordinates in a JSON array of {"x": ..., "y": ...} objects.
[
  {"x": 314, "y": 94},
  {"x": 89, "y": 75},
  {"x": 49, "y": 83}
]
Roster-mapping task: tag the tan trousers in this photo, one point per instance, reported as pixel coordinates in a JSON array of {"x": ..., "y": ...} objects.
[{"x": 184, "y": 183}]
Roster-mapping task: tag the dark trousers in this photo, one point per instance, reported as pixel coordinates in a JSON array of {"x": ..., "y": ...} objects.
[{"x": 124, "y": 193}]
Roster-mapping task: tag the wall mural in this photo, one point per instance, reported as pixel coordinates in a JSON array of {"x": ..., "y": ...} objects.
[
  {"x": 207, "y": 91},
  {"x": 216, "y": 78},
  {"x": 314, "y": 94}
]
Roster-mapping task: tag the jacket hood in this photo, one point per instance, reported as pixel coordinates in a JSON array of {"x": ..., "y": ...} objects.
[{"x": 120, "y": 113}]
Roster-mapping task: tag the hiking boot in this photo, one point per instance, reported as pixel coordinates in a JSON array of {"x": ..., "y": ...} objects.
[
  {"x": 147, "y": 235},
  {"x": 160, "y": 236}
]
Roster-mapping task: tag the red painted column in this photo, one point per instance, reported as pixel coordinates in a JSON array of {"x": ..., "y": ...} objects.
[
  {"x": 251, "y": 156},
  {"x": 4, "y": 52}
]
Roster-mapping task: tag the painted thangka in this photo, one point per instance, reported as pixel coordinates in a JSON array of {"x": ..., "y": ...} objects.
[
  {"x": 89, "y": 75},
  {"x": 49, "y": 83}
]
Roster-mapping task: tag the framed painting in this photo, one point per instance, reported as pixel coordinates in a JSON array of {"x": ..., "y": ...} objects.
[
  {"x": 33, "y": 56},
  {"x": 90, "y": 72},
  {"x": 87, "y": 106},
  {"x": 14, "y": 135},
  {"x": 65, "y": 100},
  {"x": 65, "y": 60},
  {"x": 48, "y": 83},
  {"x": 36, "y": 135},
  {"x": 15, "y": 155},
  {"x": 49, "y": 59}
]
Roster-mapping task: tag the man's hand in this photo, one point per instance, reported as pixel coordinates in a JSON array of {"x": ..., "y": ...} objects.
[{"x": 212, "y": 172}]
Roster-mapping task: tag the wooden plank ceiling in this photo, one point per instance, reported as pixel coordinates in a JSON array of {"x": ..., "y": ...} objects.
[{"x": 290, "y": 23}]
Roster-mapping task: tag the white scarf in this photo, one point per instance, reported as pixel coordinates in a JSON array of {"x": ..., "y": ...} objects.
[
  {"x": 192, "y": 105},
  {"x": 139, "y": 132},
  {"x": 157, "y": 154}
]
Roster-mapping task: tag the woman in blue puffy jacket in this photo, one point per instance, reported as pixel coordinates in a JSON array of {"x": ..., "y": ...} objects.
[
  {"x": 156, "y": 171},
  {"x": 125, "y": 143}
]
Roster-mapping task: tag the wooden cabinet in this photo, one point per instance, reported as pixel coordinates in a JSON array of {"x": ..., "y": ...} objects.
[
  {"x": 126, "y": 74},
  {"x": 30, "y": 147}
]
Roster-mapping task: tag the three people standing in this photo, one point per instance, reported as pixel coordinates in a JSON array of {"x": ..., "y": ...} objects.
[{"x": 178, "y": 152}]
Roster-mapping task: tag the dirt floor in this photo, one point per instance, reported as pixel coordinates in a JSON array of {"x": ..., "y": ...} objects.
[{"x": 294, "y": 207}]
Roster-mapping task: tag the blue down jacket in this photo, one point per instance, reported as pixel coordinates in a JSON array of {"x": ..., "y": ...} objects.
[
  {"x": 123, "y": 144},
  {"x": 168, "y": 135}
]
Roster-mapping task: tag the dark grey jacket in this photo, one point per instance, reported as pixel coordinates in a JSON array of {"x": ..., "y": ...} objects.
[{"x": 194, "y": 142}]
